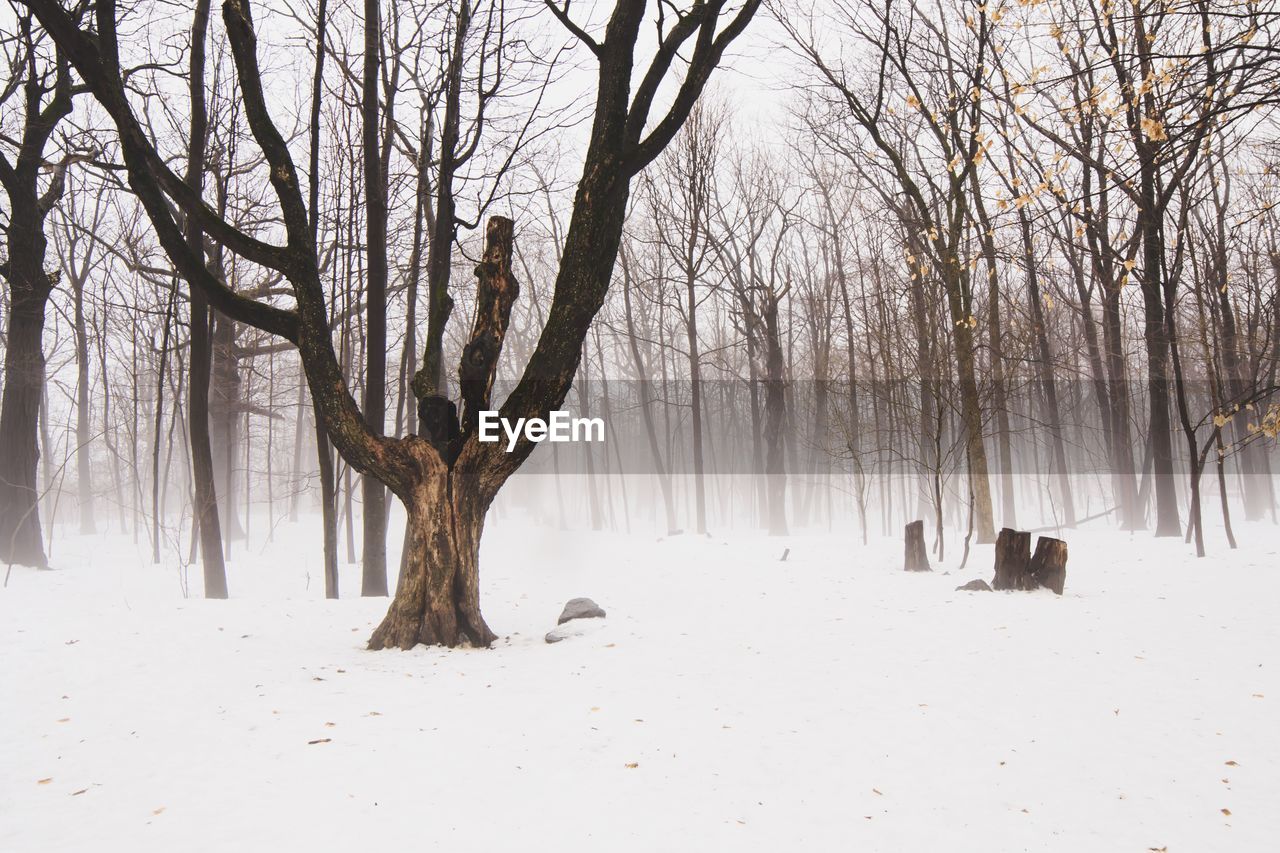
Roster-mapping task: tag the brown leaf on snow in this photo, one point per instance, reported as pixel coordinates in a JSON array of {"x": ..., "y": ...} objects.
[
  {"x": 1227, "y": 812},
  {"x": 78, "y": 793},
  {"x": 44, "y": 781},
  {"x": 1232, "y": 764},
  {"x": 158, "y": 811},
  {"x": 319, "y": 740},
  {"x": 632, "y": 765}
]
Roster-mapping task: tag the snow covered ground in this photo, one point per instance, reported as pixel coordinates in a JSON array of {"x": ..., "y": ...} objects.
[{"x": 728, "y": 702}]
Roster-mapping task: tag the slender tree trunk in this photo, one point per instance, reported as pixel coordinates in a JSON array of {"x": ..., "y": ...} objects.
[
  {"x": 775, "y": 416},
  {"x": 324, "y": 454},
  {"x": 695, "y": 396},
  {"x": 374, "y": 574},
  {"x": 206, "y": 499},
  {"x": 159, "y": 425},
  {"x": 84, "y": 454},
  {"x": 1157, "y": 340}
]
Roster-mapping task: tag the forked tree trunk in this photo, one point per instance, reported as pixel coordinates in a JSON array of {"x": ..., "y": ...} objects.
[
  {"x": 29, "y": 286},
  {"x": 438, "y": 598}
]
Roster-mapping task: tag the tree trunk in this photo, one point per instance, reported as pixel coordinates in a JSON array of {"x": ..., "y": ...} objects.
[
  {"x": 206, "y": 498},
  {"x": 774, "y": 421},
  {"x": 1159, "y": 426},
  {"x": 1013, "y": 560},
  {"x": 84, "y": 456},
  {"x": 225, "y": 405},
  {"x": 916, "y": 558},
  {"x": 438, "y": 598},
  {"x": 971, "y": 414},
  {"x": 21, "y": 540},
  {"x": 374, "y": 551},
  {"x": 695, "y": 390},
  {"x": 1049, "y": 565}
]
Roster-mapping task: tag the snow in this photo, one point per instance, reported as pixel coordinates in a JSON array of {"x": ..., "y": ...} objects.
[{"x": 728, "y": 702}]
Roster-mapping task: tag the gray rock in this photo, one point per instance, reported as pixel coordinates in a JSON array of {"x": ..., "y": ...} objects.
[
  {"x": 579, "y": 608},
  {"x": 978, "y": 585}
]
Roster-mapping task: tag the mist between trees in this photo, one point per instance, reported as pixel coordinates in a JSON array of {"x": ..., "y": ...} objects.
[{"x": 990, "y": 263}]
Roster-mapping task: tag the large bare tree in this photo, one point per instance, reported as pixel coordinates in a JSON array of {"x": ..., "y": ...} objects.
[{"x": 446, "y": 481}]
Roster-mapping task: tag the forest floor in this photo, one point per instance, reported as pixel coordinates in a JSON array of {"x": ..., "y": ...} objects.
[{"x": 728, "y": 702}]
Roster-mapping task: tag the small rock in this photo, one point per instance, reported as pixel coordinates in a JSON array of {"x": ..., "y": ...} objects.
[
  {"x": 580, "y": 608},
  {"x": 978, "y": 585}
]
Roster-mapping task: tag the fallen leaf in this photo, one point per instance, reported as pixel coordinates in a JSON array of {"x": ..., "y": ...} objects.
[
  {"x": 632, "y": 765},
  {"x": 319, "y": 740},
  {"x": 44, "y": 781},
  {"x": 78, "y": 793},
  {"x": 158, "y": 811},
  {"x": 1232, "y": 764},
  {"x": 877, "y": 791},
  {"x": 329, "y": 725},
  {"x": 1227, "y": 812}
]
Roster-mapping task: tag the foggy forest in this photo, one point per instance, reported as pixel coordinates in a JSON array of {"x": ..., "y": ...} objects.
[{"x": 847, "y": 286}]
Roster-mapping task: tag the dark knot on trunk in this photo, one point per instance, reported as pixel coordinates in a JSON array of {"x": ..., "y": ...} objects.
[{"x": 438, "y": 420}]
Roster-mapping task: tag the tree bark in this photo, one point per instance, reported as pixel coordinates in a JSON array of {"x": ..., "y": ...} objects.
[
  {"x": 1013, "y": 560},
  {"x": 21, "y": 539},
  {"x": 916, "y": 557},
  {"x": 374, "y": 552},
  {"x": 1049, "y": 564},
  {"x": 206, "y": 498},
  {"x": 437, "y": 599}
]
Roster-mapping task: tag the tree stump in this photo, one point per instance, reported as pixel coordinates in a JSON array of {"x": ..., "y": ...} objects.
[
  {"x": 1013, "y": 560},
  {"x": 1049, "y": 565},
  {"x": 915, "y": 559}
]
